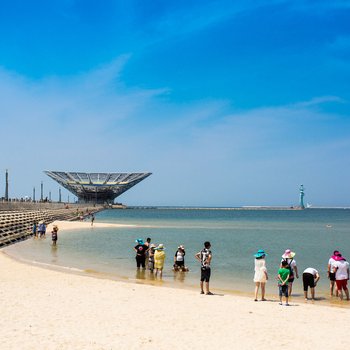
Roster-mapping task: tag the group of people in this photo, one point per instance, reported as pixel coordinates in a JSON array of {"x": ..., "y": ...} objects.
[
  {"x": 338, "y": 273},
  {"x": 155, "y": 255},
  {"x": 39, "y": 231}
]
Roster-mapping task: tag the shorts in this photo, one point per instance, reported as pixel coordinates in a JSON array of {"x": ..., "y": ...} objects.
[
  {"x": 180, "y": 263},
  {"x": 291, "y": 279},
  {"x": 342, "y": 284},
  {"x": 332, "y": 276},
  {"x": 283, "y": 290},
  {"x": 205, "y": 274},
  {"x": 308, "y": 281}
]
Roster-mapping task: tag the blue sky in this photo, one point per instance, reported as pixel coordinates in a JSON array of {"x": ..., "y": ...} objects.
[{"x": 227, "y": 103}]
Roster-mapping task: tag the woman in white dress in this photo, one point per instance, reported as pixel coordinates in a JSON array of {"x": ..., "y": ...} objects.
[{"x": 260, "y": 276}]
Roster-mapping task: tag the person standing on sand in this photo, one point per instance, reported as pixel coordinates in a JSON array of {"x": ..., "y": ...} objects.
[
  {"x": 288, "y": 256},
  {"x": 342, "y": 276},
  {"x": 205, "y": 257},
  {"x": 54, "y": 235},
  {"x": 283, "y": 277},
  {"x": 159, "y": 258},
  {"x": 260, "y": 276},
  {"x": 331, "y": 268},
  {"x": 310, "y": 279}
]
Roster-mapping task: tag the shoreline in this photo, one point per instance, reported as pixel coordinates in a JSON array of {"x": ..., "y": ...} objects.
[
  {"x": 62, "y": 310},
  {"x": 146, "y": 280}
]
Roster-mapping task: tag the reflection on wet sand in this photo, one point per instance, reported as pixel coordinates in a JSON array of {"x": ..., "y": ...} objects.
[
  {"x": 147, "y": 275},
  {"x": 140, "y": 274},
  {"x": 54, "y": 254},
  {"x": 180, "y": 276}
]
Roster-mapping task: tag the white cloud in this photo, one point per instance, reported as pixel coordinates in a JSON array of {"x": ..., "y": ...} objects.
[{"x": 201, "y": 153}]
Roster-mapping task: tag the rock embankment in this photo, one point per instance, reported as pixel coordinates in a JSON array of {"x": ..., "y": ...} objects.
[{"x": 18, "y": 225}]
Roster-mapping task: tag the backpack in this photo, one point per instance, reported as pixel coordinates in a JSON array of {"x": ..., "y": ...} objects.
[{"x": 289, "y": 267}]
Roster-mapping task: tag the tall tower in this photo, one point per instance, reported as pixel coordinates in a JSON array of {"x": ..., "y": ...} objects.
[
  {"x": 7, "y": 186},
  {"x": 59, "y": 196},
  {"x": 42, "y": 191},
  {"x": 302, "y": 194},
  {"x": 33, "y": 194}
]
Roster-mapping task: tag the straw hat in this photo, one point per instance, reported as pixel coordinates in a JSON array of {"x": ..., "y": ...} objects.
[
  {"x": 288, "y": 254},
  {"x": 160, "y": 247},
  {"x": 182, "y": 247}
]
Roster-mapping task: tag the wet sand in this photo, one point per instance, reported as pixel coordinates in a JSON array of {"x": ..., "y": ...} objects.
[{"x": 46, "y": 309}]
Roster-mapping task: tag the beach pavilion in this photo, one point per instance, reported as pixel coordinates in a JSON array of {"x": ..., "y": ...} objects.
[{"x": 97, "y": 188}]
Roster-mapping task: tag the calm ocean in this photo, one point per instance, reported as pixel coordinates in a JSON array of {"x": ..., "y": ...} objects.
[{"x": 235, "y": 236}]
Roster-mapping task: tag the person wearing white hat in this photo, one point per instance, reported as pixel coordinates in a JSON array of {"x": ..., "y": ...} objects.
[
  {"x": 179, "y": 259},
  {"x": 42, "y": 229},
  {"x": 288, "y": 256}
]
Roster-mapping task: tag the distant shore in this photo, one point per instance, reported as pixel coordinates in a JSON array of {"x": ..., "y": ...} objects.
[{"x": 232, "y": 208}]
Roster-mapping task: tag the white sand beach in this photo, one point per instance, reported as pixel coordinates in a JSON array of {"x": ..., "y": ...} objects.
[{"x": 45, "y": 309}]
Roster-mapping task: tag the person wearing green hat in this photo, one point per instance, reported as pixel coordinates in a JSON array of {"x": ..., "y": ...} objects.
[{"x": 260, "y": 276}]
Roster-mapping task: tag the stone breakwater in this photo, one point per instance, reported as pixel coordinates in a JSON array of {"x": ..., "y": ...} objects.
[{"x": 18, "y": 225}]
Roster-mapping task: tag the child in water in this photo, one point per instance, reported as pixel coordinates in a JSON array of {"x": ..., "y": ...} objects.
[{"x": 54, "y": 235}]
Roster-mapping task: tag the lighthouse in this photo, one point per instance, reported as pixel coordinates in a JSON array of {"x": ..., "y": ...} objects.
[{"x": 302, "y": 194}]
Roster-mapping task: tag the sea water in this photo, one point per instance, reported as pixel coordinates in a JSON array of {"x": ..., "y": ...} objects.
[{"x": 235, "y": 235}]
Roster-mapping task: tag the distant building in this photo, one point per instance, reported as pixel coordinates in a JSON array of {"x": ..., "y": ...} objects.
[
  {"x": 301, "y": 197},
  {"x": 97, "y": 187}
]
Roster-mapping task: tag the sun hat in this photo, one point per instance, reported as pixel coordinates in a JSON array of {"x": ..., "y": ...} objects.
[
  {"x": 160, "y": 247},
  {"x": 288, "y": 254},
  {"x": 152, "y": 245},
  {"x": 260, "y": 253},
  {"x": 338, "y": 257},
  {"x": 181, "y": 247},
  {"x": 139, "y": 241}
]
